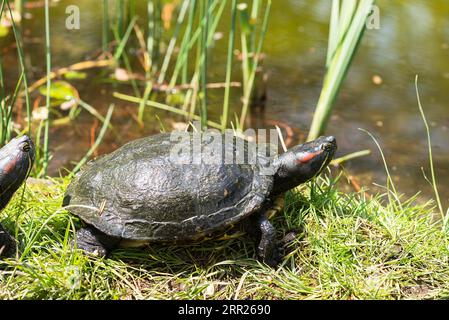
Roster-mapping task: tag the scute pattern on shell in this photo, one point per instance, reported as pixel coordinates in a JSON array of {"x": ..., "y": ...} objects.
[{"x": 137, "y": 193}]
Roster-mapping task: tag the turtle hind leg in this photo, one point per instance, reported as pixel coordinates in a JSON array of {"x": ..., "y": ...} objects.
[
  {"x": 8, "y": 245},
  {"x": 95, "y": 242}
]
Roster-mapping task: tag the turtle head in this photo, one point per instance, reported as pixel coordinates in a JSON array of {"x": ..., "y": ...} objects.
[
  {"x": 303, "y": 162},
  {"x": 16, "y": 160}
]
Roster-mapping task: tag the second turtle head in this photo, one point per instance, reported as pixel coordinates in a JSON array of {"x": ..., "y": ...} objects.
[{"x": 16, "y": 160}]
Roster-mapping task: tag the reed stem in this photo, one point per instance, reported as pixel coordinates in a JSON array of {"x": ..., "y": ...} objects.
[
  {"x": 225, "y": 113},
  {"x": 204, "y": 56},
  {"x": 105, "y": 25},
  {"x": 21, "y": 55},
  {"x": 47, "y": 99}
]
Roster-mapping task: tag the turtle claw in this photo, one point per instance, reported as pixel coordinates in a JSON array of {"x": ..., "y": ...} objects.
[
  {"x": 96, "y": 251},
  {"x": 275, "y": 258},
  {"x": 280, "y": 249},
  {"x": 289, "y": 239}
]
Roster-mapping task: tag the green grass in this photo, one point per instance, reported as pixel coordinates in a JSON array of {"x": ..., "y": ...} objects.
[{"x": 349, "y": 248}]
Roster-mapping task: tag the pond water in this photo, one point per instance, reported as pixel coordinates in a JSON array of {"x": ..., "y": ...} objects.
[{"x": 413, "y": 39}]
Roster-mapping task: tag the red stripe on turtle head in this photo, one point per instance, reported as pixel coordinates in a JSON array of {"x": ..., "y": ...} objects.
[
  {"x": 307, "y": 157},
  {"x": 10, "y": 166}
]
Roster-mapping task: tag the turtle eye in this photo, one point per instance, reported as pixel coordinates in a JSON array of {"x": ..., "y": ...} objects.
[
  {"x": 26, "y": 147},
  {"x": 326, "y": 146}
]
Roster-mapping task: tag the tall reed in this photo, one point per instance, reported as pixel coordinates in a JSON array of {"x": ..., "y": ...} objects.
[
  {"x": 8, "y": 106},
  {"x": 120, "y": 17},
  {"x": 347, "y": 24},
  {"x": 105, "y": 35},
  {"x": 8, "y": 101},
  {"x": 4, "y": 112},
  {"x": 47, "y": 101},
  {"x": 249, "y": 65},
  {"x": 193, "y": 36},
  {"x": 167, "y": 58},
  {"x": 229, "y": 61},
  {"x": 19, "y": 6},
  {"x": 204, "y": 67}
]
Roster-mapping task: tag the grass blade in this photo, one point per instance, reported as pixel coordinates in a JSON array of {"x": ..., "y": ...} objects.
[
  {"x": 124, "y": 40},
  {"x": 429, "y": 142}
]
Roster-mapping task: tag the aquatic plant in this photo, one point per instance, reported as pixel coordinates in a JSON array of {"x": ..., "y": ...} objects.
[
  {"x": 194, "y": 33},
  {"x": 347, "y": 24}
]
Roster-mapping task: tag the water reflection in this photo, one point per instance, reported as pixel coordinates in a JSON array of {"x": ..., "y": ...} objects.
[{"x": 412, "y": 40}]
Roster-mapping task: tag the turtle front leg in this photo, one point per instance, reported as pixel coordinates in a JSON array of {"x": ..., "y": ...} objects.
[
  {"x": 268, "y": 248},
  {"x": 259, "y": 227},
  {"x": 95, "y": 242},
  {"x": 7, "y": 244}
]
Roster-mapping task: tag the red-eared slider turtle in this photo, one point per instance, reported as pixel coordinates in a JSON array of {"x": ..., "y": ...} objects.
[
  {"x": 16, "y": 160},
  {"x": 165, "y": 189}
]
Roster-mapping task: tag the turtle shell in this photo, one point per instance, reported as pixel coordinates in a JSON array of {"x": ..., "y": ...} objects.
[{"x": 139, "y": 193}]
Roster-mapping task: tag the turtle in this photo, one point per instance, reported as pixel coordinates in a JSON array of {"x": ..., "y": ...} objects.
[
  {"x": 16, "y": 161},
  {"x": 185, "y": 188}
]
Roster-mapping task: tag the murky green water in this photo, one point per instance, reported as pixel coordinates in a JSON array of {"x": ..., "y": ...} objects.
[{"x": 413, "y": 39}]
